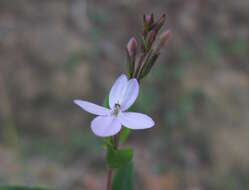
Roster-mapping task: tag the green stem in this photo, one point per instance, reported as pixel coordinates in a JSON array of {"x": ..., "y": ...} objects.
[{"x": 115, "y": 142}]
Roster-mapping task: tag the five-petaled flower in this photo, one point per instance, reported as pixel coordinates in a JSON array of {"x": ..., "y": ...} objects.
[{"x": 109, "y": 121}]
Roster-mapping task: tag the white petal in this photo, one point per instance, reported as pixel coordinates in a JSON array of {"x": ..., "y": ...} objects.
[
  {"x": 133, "y": 120},
  {"x": 130, "y": 94},
  {"x": 117, "y": 90},
  {"x": 105, "y": 126},
  {"x": 92, "y": 108}
]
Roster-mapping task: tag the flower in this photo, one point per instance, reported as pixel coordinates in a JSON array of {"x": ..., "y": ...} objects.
[{"x": 109, "y": 121}]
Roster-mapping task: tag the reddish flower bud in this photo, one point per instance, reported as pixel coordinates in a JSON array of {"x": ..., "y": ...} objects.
[
  {"x": 160, "y": 23},
  {"x": 162, "y": 19},
  {"x": 147, "y": 18},
  {"x": 148, "y": 21},
  {"x": 163, "y": 40},
  {"x": 151, "y": 37},
  {"x": 131, "y": 47}
]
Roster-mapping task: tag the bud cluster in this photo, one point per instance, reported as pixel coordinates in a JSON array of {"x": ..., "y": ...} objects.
[{"x": 139, "y": 68}]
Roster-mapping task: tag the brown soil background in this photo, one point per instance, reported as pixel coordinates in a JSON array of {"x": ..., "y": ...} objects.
[{"x": 53, "y": 51}]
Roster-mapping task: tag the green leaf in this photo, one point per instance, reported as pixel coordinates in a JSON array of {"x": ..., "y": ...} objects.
[
  {"x": 118, "y": 158},
  {"x": 20, "y": 188},
  {"x": 124, "y": 134},
  {"x": 106, "y": 102},
  {"x": 123, "y": 178}
]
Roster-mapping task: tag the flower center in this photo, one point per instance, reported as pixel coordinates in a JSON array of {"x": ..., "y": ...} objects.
[{"x": 116, "y": 109}]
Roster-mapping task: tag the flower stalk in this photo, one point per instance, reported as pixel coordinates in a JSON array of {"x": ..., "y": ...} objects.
[
  {"x": 109, "y": 179},
  {"x": 146, "y": 61}
]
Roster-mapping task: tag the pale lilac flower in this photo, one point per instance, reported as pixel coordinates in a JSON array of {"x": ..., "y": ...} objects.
[{"x": 109, "y": 121}]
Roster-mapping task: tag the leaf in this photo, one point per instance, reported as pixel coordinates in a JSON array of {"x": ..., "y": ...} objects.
[
  {"x": 123, "y": 178},
  {"x": 20, "y": 188},
  {"x": 124, "y": 134},
  {"x": 118, "y": 158},
  {"x": 106, "y": 102}
]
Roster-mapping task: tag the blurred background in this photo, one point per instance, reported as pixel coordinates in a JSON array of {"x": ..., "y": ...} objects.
[{"x": 53, "y": 51}]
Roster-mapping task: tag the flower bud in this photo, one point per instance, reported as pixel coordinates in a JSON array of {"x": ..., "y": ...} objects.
[
  {"x": 149, "y": 62},
  {"x": 131, "y": 47},
  {"x": 147, "y": 18},
  {"x": 147, "y": 43},
  {"x": 151, "y": 37},
  {"x": 131, "y": 55},
  {"x": 148, "y": 21},
  {"x": 163, "y": 40},
  {"x": 160, "y": 23}
]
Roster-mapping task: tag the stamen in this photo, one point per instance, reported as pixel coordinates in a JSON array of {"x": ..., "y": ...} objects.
[
  {"x": 117, "y": 106},
  {"x": 116, "y": 109}
]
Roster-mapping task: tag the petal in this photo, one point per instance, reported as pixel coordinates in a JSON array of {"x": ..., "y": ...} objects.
[
  {"x": 105, "y": 126},
  {"x": 116, "y": 90},
  {"x": 130, "y": 94},
  {"x": 92, "y": 108},
  {"x": 133, "y": 120}
]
